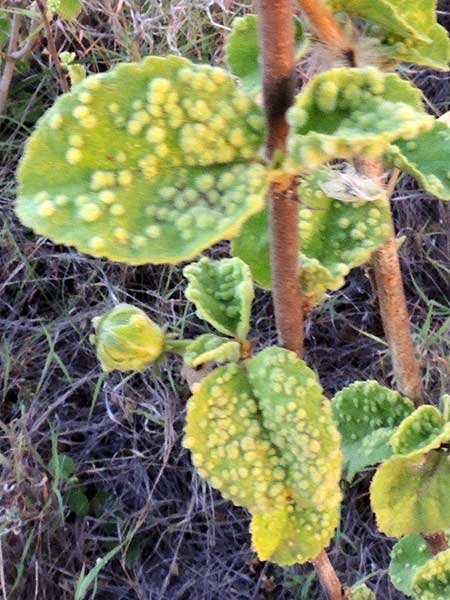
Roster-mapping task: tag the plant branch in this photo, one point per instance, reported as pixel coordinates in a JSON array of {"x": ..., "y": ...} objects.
[
  {"x": 10, "y": 62},
  {"x": 42, "y": 5},
  {"x": 278, "y": 59},
  {"x": 325, "y": 25},
  {"x": 437, "y": 542}
]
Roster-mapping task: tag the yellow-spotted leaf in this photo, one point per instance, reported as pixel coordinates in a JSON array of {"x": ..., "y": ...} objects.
[
  {"x": 150, "y": 162},
  {"x": 432, "y": 580},
  {"x": 211, "y": 348},
  {"x": 420, "y": 432},
  {"x": 407, "y": 556}
]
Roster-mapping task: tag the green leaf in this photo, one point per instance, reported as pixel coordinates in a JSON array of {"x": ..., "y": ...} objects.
[
  {"x": 367, "y": 415},
  {"x": 407, "y": 556},
  {"x": 229, "y": 444},
  {"x": 345, "y": 112},
  {"x": 242, "y": 51},
  {"x": 263, "y": 434},
  {"x": 150, "y": 162},
  {"x": 222, "y": 291},
  {"x": 410, "y": 495},
  {"x": 77, "y": 502},
  {"x": 432, "y": 580},
  {"x": 85, "y": 581},
  {"x": 298, "y": 419},
  {"x": 329, "y": 252},
  {"x": 420, "y": 432},
  {"x": 426, "y": 159},
  {"x": 62, "y": 466},
  {"x": 360, "y": 591},
  {"x": 399, "y": 17},
  {"x": 69, "y": 9},
  {"x": 211, "y": 348},
  {"x": 435, "y": 55}
]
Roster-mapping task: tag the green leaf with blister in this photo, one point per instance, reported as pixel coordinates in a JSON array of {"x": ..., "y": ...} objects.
[
  {"x": 410, "y": 495},
  {"x": 432, "y": 580},
  {"x": 426, "y": 159},
  {"x": 420, "y": 432},
  {"x": 345, "y": 112},
  {"x": 222, "y": 291},
  {"x": 298, "y": 419},
  {"x": 367, "y": 414},
  {"x": 328, "y": 252},
  {"x": 211, "y": 348},
  {"x": 150, "y": 162},
  {"x": 407, "y": 556},
  {"x": 435, "y": 55},
  {"x": 242, "y": 50}
]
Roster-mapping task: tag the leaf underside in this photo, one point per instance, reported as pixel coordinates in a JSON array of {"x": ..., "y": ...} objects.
[
  {"x": 211, "y": 348},
  {"x": 150, "y": 162},
  {"x": 345, "y": 112},
  {"x": 367, "y": 415},
  {"x": 420, "y": 432},
  {"x": 407, "y": 556},
  {"x": 329, "y": 252},
  {"x": 281, "y": 460},
  {"x": 222, "y": 291},
  {"x": 410, "y": 495},
  {"x": 426, "y": 159}
]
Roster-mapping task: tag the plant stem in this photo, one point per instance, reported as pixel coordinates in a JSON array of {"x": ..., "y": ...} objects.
[
  {"x": 325, "y": 25},
  {"x": 278, "y": 58},
  {"x": 392, "y": 300},
  {"x": 436, "y": 542}
]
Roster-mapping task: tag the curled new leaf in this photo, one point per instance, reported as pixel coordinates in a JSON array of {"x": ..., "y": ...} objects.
[
  {"x": 127, "y": 339},
  {"x": 407, "y": 556},
  {"x": 420, "y": 432},
  {"x": 242, "y": 50},
  {"x": 432, "y": 580},
  {"x": 211, "y": 348},
  {"x": 336, "y": 237},
  {"x": 410, "y": 495},
  {"x": 145, "y": 163},
  {"x": 263, "y": 434},
  {"x": 222, "y": 291},
  {"x": 426, "y": 159},
  {"x": 345, "y": 112},
  {"x": 367, "y": 415}
]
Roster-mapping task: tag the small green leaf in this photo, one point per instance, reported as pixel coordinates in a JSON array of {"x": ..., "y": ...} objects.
[
  {"x": 410, "y": 495},
  {"x": 407, "y": 556},
  {"x": 242, "y": 50},
  {"x": 85, "y": 581},
  {"x": 229, "y": 444},
  {"x": 432, "y": 580},
  {"x": 328, "y": 252},
  {"x": 77, "y": 502},
  {"x": 420, "y": 432},
  {"x": 150, "y": 162},
  {"x": 345, "y": 112},
  {"x": 360, "y": 591},
  {"x": 222, "y": 291},
  {"x": 367, "y": 415},
  {"x": 69, "y": 9},
  {"x": 211, "y": 348},
  {"x": 426, "y": 159},
  {"x": 62, "y": 466},
  {"x": 435, "y": 55}
]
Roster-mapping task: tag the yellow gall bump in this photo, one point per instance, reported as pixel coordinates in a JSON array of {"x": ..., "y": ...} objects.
[
  {"x": 56, "y": 121},
  {"x": 155, "y": 135},
  {"x": 117, "y": 210},
  {"x": 90, "y": 212},
  {"x": 134, "y": 127},
  {"x": 137, "y": 105},
  {"x": 113, "y": 108},
  {"x": 219, "y": 76},
  {"x": 120, "y": 156},
  {"x": 76, "y": 140},
  {"x": 81, "y": 112},
  {"x": 85, "y": 97},
  {"x": 97, "y": 244},
  {"x": 155, "y": 110},
  {"x": 46, "y": 209},
  {"x": 125, "y": 178},
  {"x": 107, "y": 197},
  {"x": 121, "y": 234},
  {"x": 162, "y": 150},
  {"x": 92, "y": 83},
  {"x": 88, "y": 122},
  {"x": 73, "y": 156},
  {"x": 153, "y": 231},
  {"x": 102, "y": 179},
  {"x": 61, "y": 200},
  {"x": 160, "y": 85}
]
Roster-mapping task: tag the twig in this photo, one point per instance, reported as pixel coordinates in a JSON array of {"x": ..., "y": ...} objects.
[
  {"x": 324, "y": 24},
  {"x": 51, "y": 44}
]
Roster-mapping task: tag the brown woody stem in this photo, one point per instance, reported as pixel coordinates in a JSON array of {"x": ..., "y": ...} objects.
[
  {"x": 437, "y": 542},
  {"x": 278, "y": 58}
]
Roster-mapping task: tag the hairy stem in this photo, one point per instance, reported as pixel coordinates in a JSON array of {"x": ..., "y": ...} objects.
[
  {"x": 278, "y": 57},
  {"x": 325, "y": 26},
  {"x": 393, "y": 307}
]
